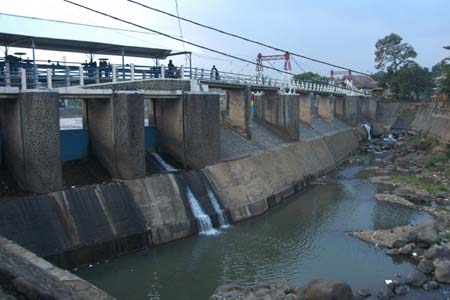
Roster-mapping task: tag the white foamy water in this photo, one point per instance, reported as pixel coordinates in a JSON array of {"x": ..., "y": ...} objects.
[
  {"x": 367, "y": 127},
  {"x": 223, "y": 221},
  {"x": 203, "y": 220},
  {"x": 163, "y": 163}
]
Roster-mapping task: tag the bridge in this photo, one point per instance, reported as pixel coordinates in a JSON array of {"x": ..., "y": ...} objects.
[{"x": 67, "y": 80}]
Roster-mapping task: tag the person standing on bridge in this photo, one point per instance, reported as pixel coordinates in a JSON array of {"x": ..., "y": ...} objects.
[{"x": 215, "y": 73}]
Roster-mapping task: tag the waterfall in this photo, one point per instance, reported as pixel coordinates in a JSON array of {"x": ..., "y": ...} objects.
[
  {"x": 203, "y": 220},
  {"x": 223, "y": 221},
  {"x": 161, "y": 161},
  {"x": 367, "y": 127}
]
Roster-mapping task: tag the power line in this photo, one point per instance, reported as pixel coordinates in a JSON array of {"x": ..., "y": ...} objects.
[
  {"x": 298, "y": 65},
  {"x": 187, "y": 42},
  {"x": 248, "y": 39},
  {"x": 174, "y": 38}
]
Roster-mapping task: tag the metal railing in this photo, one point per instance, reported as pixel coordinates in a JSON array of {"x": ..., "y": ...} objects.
[{"x": 55, "y": 76}]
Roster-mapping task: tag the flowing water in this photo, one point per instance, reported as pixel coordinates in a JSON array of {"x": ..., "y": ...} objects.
[
  {"x": 368, "y": 129},
  {"x": 163, "y": 163},
  {"x": 302, "y": 238},
  {"x": 223, "y": 221},
  {"x": 203, "y": 220}
]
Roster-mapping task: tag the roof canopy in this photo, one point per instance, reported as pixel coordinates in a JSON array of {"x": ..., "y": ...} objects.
[{"x": 44, "y": 43}]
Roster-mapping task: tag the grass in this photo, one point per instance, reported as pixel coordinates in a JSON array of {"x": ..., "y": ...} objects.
[{"x": 432, "y": 188}]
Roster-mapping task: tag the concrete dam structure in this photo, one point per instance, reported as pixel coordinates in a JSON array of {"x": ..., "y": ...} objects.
[{"x": 237, "y": 161}]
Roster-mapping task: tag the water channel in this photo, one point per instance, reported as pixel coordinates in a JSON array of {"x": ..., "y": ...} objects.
[{"x": 301, "y": 239}]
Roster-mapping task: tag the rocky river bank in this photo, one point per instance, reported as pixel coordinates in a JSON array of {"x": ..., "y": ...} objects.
[{"x": 416, "y": 171}]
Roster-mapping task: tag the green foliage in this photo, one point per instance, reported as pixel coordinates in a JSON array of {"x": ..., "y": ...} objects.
[
  {"x": 391, "y": 53},
  {"x": 430, "y": 187},
  {"x": 445, "y": 83},
  {"x": 411, "y": 81},
  {"x": 311, "y": 77}
]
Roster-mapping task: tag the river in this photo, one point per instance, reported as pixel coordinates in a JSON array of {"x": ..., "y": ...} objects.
[{"x": 301, "y": 239}]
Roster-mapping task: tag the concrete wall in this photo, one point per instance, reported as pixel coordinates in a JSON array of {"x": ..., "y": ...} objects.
[
  {"x": 326, "y": 107},
  {"x": 281, "y": 111},
  {"x": 238, "y": 110},
  {"x": 116, "y": 130},
  {"x": 189, "y": 128},
  {"x": 249, "y": 186},
  {"x": 202, "y": 128},
  {"x": 339, "y": 107},
  {"x": 32, "y": 141},
  {"x": 305, "y": 108}
]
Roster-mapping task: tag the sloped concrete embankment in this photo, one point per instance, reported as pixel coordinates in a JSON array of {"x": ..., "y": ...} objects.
[
  {"x": 85, "y": 225},
  {"x": 432, "y": 118},
  {"x": 250, "y": 186}
]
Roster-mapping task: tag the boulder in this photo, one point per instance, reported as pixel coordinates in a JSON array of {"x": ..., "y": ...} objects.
[
  {"x": 399, "y": 243},
  {"x": 406, "y": 250},
  {"x": 322, "y": 289},
  {"x": 427, "y": 235},
  {"x": 393, "y": 252},
  {"x": 438, "y": 252},
  {"x": 277, "y": 291},
  {"x": 426, "y": 266},
  {"x": 401, "y": 290},
  {"x": 442, "y": 271},
  {"x": 431, "y": 285},
  {"x": 416, "y": 278},
  {"x": 365, "y": 293}
]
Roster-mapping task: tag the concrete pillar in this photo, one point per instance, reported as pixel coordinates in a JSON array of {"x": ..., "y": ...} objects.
[
  {"x": 353, "y": 109},
  {"x": 339, "y": 107},
  {"x": 280, "y": 111},
  {"x": 116, "y": 130},
  {"x": 239, "y": 114},
  {"x": 326, "y": 107},
  {"x": 306, "y": 109},
  {"x": 32, "y": 141},
  {"x": 189, "y": 128}
]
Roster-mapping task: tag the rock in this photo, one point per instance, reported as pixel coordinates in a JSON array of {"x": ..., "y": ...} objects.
[
  {"x": 427, "y": 235},
  {"x": 399, "y": 244},
  {"x": 385, "y": 294},
  {"x": 442, "y": 271},
  {"x": 277, "y": 291},
  {"x": 438, "y": 252},
  {"x": 416, "y": 278},
  {"x": 401, "y": 290},
  {"x": 393, "y": 252},
  {"x": 322, "y": 289},
  {"x": 406, "y": 250},
  {"x": 393, "y": 199},
  {"x": 431, "y": 285},
  {"x": 425, "y": 266},
  {"x": 364, "y": 293},
  {"x": 424, "y": 197}
]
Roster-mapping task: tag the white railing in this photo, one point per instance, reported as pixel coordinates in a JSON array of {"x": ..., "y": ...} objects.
[{"x": 55, "y": 76}]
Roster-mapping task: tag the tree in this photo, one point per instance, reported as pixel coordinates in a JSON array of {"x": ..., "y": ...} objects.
[
  {"x": 391, "y": 53},
  {"x": 411, "y": 81},
  {"x": 445, "y": 83},
  {"x": 311, "y": 77}
]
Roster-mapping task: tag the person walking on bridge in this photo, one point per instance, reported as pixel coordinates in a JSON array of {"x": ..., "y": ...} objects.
[{"x": 215, "y": 73}]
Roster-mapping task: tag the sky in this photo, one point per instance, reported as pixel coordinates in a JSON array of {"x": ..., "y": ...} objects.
[{"x": 343, "y": 32}]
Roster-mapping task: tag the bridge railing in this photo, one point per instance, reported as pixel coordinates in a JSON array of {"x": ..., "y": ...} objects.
[{"x": 55, "y": 76}]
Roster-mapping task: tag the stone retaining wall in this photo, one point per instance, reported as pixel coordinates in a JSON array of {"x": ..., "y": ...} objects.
[{"x": 23, "y": 275}]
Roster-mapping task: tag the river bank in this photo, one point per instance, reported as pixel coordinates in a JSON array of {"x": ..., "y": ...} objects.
[{"x": 414, "y": 171}]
